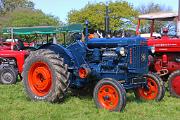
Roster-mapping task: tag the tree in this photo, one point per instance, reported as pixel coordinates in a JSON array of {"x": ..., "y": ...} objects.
[
  {"x": 10, "y": 5},
  {"x": 24, "y": 17},
  {"x": 95, "y": 13},
  {"x": 21, "y": 13}
]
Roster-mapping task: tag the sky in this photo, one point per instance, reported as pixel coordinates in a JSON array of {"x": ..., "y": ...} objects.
[{"x": 60, "y": 8}]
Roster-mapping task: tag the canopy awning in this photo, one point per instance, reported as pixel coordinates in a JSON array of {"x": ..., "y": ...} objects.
[
  {"x": 30, "y": 30},
  {"x": 162, "y": 16},
  {"x": 42, "y": 29},
  {"x": 71, "y": 28}
]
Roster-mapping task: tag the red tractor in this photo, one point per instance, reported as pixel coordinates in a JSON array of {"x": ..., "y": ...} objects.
[
  {"x": 14, "y": 51},
  {"x": 165, "y": 57},
  {"x": 11, "y": 62}
]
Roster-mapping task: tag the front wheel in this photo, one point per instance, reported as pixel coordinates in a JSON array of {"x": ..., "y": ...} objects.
[
  {"x": 110, "y": 94},
  {"x": 8, "y": 75},
  {"x": 174, "y": 84},
  {"x": 155, "y": 89}
]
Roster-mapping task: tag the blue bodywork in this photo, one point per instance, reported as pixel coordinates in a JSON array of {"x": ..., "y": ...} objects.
[{"x": 102, "y": 57}]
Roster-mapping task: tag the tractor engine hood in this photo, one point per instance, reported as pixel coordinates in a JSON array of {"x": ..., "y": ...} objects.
[{"x": 115, "y": 42}]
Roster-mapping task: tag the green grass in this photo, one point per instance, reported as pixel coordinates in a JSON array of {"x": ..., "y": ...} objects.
[{"x": 15, "y": 105}]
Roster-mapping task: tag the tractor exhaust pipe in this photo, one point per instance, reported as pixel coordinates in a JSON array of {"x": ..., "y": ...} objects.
[
  {"x": 178, "y": 21},
  {"x": 107, "y": 20}
]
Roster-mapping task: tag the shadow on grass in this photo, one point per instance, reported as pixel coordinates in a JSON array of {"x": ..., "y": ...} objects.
[
  {"x": 66, "y": 99},
  {"x": 131, "y": 98},
  {"x": 79, "y": 93},
  {"x": 88, "y": 95}
]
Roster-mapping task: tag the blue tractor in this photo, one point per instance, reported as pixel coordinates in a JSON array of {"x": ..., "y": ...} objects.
[{"x": 113, "y": 64}]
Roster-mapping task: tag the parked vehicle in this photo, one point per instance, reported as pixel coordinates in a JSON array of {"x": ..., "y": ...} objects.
[
  {"x": 14, "y": 51},
  {"x": 114, "y": 65},
  {"x": 165, "y": 60}
]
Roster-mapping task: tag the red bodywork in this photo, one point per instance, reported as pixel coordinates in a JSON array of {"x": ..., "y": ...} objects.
[
  {"x": 7, "y": 51},
  {"x": 165, "y": 44},
  {"x": 166, "y": 58},
  {"x": 19, "y": 56},
  {"x": 10, "y": 45},
  {"x": 167, "y": 50}
]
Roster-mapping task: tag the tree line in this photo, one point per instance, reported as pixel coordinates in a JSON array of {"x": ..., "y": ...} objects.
[{"x": 19, "y": 13}]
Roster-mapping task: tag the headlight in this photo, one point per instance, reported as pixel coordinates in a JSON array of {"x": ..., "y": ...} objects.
[
  {"x": 153, "y": 50},
  {"x": 122, "y": 51}
]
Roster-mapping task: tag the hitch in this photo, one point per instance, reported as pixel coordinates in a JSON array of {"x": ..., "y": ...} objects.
[{"x": 163, "y": 72}]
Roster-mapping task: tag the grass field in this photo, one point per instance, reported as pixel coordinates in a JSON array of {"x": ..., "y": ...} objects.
[{"x": 14, "y": 105}]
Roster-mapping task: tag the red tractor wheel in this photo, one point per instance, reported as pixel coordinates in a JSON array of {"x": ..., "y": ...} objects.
[
  {"x": 45, "y": 76},
  {"x": 174, "y": 83},
  {"x": 110, "y": 94},
  {"x": 155, "y": 89}
]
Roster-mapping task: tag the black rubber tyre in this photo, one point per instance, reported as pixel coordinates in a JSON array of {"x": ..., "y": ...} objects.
[
  {"x": 58, "y": 71},
  {"x": 174, "y": 84},
  {"x": 156, "y": 89},
  {"x": 8, "y": 75},
  {"x": 109, "y": 94}
]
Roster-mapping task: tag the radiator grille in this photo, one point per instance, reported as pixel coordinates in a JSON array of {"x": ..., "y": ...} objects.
[{"x": 138, "y": 58}]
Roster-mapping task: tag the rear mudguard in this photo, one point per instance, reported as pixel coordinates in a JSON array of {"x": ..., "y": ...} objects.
[
  {"x": 74, "y": 57},
  {"x": 61, "y": 51}
]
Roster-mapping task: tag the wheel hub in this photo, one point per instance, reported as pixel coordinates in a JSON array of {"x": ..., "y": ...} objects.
[
  {"x": 40, "y": 78},
  {"x": 108, "y": 97},
  {"x": 7, "y": 77}
]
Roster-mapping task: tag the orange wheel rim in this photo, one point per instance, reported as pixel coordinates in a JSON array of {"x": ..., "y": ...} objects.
[
  {"x": 40, "y": 78},
  {"x": 176, "y": 85},
  {"x": 151, "y": 93},
  {"x": 108, "y": 97}
]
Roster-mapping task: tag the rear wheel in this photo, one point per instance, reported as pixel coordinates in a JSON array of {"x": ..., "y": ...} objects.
[
  {"x": 174, "y": 84},
  {"x": 155, "y": 89},
  {"x": 8, "y": 75},
  {"x": 45, "y": 76},
  {"x": 110, "y": 94}
]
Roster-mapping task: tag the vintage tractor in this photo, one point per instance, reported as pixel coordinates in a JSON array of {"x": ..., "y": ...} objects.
[
  {"x": 14, "y": 51},
  {"x": 114, "y": 65},
  {"x": 165, "y": 60}
]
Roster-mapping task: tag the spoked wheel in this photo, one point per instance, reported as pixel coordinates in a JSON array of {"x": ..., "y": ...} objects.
[
  {"x": 174, "y": 84},
  {"x": 45, "y": 76},
  {"x": 110, "y": 94},
  {"x": 8, "y": 75},
  {"x": 155, "y": 89}
]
